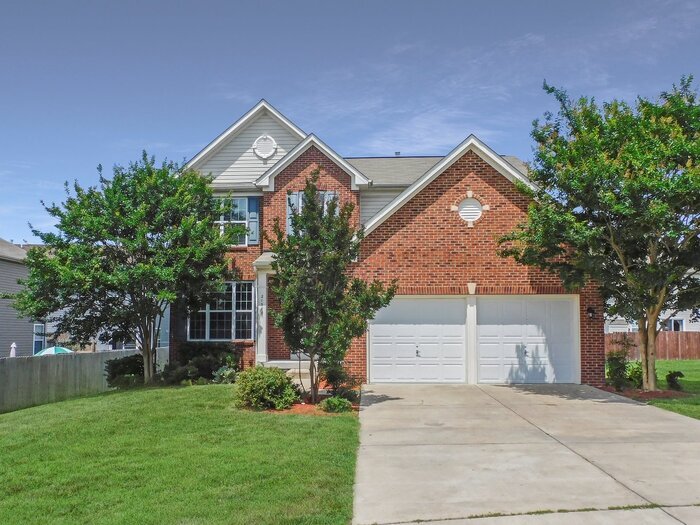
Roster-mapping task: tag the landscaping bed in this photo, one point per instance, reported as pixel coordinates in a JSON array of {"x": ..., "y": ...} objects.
[
  {"x": 686, "y": 401},
  {"x": 174, "y": 455}
]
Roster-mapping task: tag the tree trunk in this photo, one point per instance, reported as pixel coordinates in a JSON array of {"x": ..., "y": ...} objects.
[
  {"x": 651, "y": 358},
  {"x": 313, "y": 377},
  {"x": 648, "y": 332},
  {"x": 147, "y": 353}
]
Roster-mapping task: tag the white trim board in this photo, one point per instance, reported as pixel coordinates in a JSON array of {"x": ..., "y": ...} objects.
[
  {"x": 254, "y": 112},
  {"x": 267, "y": 180},
  {"x": 471, "y": 143}
]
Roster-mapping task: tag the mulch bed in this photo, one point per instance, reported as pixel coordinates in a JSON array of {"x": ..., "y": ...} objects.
[
  {"x": 643, "y": 395},
  {"x": 307, "y": 409}
]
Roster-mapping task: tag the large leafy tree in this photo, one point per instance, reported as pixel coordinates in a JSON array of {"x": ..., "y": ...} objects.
[
  {"x": 618, "y": 201},
  {"x": 322, "y": 307},
  {"x": 123, "y": 251}
]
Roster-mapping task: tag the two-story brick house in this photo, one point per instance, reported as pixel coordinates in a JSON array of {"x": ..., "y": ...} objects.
[{"x": 462, "y": 313}]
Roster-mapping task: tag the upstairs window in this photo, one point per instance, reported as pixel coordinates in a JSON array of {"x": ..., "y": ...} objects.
[
  {"x": 295, "y": 203},
  {"x": 243, "y": 212},
  {"x": 227, "y": 316},
  {"x": 674, "y": 325}
]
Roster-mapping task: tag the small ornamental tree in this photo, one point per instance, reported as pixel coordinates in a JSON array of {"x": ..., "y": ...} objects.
[
  {"x": 123, "y": 251},
  {"x": 618, "y": 201},
  {"x": 322, "y": 308}
]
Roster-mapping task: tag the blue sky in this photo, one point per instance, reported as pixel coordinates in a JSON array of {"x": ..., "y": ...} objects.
[{"x": 84, "y": 83}]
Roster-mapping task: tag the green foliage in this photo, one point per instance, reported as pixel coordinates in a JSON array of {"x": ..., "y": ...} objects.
[
  {"x": 225, "y": 375},
  {"x": 335, "y": 404},
  {"x": 124, "y": 372},
  {"x": 263, "y": 388},
  {"x": 341, "y": 383},
  {"x": 186, "y": 351},
  {"x": 322, "y": 307},
  {"x": 672, "y": 380},
  {"x": 635, "y": 374},
  {"x": 121, "y": 252},
  {"x": 616, "y": 368},
  {"x": 617, "y": 199}
]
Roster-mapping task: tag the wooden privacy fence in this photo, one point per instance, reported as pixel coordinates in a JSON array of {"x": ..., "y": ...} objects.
[
  {"x": 29, "y": 381},
  {"x": 669, "y": 345}
]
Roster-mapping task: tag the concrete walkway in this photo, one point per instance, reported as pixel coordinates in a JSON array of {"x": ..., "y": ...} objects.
[{"x": 468, "y": 453}]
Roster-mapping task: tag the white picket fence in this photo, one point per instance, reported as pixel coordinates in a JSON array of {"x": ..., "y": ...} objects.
[{"x": 29, "y": 381}]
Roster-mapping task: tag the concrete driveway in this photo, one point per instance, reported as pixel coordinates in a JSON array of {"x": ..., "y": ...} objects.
[{"x": 469, "y": 453}]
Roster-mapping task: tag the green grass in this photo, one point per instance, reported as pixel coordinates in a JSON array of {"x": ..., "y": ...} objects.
[
  {"x": 174, "y": 455},
  {"x": 688, "y": 406}
]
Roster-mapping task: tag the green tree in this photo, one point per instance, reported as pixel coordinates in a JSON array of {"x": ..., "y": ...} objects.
[
  {"x": 123, "y": 251},
  {"x": 322, "y": 307},
  {"x": 618, "y": 201}
]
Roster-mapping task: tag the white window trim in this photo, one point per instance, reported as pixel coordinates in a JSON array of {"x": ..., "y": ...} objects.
[
  {"x": 207, "y": 319},
  {"x": 36, "y": 338},
  {"x": 222, "y": 223}
]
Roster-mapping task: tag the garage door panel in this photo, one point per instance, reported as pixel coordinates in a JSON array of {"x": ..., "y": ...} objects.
[
  {"x": 427, "y": 341},
  {"x": 527, "y": 339}
]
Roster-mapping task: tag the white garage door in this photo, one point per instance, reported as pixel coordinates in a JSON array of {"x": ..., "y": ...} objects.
[
  {"x": 527, "y": 339},
  {"x": 419, "y": 340}
]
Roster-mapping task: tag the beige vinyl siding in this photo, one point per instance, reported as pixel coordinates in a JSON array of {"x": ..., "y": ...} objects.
[
  {"x": 374, "y": 199},
  {"x": 12, "y": 329},
  {"x": 235, "y": 162}
]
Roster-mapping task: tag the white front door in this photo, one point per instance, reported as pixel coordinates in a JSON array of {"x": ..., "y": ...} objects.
[
  {"x": 528, "y": 339},
  {"x": 419, "y": 340}
]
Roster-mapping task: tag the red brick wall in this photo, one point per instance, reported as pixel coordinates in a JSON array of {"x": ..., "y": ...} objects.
[
  {"x": 429, "y": 249},
  {"x": 293, "y": 178}
]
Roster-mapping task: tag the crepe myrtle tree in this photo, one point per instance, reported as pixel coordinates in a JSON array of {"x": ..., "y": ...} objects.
[
  {"x": 122, "y": 251},
  {"x": 322, "y": 307},
  {"x": 617, "y": 200}
]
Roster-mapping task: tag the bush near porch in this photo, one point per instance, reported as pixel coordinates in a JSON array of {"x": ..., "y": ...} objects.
[{"x": 174, "y": 455}]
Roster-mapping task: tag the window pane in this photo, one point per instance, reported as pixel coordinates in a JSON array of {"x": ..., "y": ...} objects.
[
  {"x": 198, "y": 325},
  {"x": 244, "y": 297},
  {"x": 244, "y": 325},
  {"x": 223, "y": 300},
  {"x": 226, "y": 213},
  {"x": 220, "y": 325},
  {"x": 239, "y": 209},
  {"x": 239, "y": 239}
]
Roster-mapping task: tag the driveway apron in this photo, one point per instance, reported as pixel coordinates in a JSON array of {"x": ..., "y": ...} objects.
[{"x": 458, "y": 452}]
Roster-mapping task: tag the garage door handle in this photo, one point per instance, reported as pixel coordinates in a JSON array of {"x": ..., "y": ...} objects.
[{"x": 417, "y": 351}]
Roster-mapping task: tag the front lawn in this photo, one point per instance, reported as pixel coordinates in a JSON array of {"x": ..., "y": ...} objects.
[
  {"x": 690, "y": 405},
  {"x": 174, "y": 455}
]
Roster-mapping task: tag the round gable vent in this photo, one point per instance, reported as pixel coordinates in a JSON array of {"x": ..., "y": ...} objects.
[
  {"x": 470, "y": 210},
  {"x": 264, "y": 146}
]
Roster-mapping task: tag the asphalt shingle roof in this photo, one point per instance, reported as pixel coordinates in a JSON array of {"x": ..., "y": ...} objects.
[
  {"x": 404, "y": 171},
  {"x": 9, "y": 251}
]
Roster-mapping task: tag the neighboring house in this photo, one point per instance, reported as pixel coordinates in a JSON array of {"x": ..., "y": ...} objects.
[
  {"x": 28, "y": 336},
  {"x": 680, "y": 322},
  {"x": 462, "y": 313}
]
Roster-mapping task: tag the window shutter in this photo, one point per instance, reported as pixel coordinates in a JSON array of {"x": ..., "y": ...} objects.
[
  {"x": 292, "y": 204},
  {"x": 253, "y": 220}
]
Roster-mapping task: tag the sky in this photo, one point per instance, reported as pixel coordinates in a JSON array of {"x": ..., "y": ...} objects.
[{"x": 93, "y": 82}]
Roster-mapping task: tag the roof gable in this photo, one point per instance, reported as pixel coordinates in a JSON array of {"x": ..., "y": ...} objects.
[
  {"x": 264, "y": 116},
  {"x": 10, "y": 252},
  {"x": 267, "y": 180},
  {"x": 471, "y": 143}
]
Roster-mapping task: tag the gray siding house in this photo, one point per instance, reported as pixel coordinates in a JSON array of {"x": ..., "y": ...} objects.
[{"x": 13, "y": 329}]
